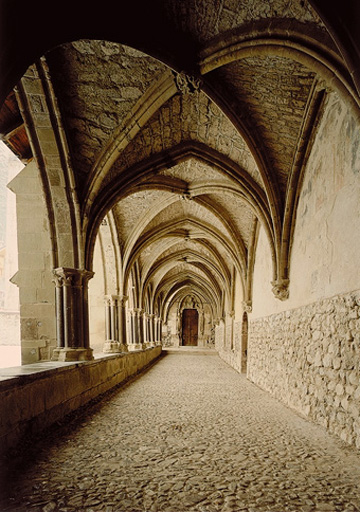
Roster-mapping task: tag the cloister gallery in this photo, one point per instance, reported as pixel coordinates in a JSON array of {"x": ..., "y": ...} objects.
[{"x": 191, "y": 177}]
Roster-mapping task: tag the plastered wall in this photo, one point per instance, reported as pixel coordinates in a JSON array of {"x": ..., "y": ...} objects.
[
  {"x": 306, "y": 350},
  {"x": 326, "y": 244}
]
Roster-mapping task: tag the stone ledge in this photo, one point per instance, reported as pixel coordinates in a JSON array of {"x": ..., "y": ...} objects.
[{"x": 35, "y": 396}]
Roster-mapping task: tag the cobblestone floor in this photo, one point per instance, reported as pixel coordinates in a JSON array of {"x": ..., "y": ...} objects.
[{"x": 190, "y": 434}]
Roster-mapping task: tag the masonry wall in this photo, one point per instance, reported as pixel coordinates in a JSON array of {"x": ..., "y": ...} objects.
[
  {"x": 306, "y": 350},
  {"x": 34, "y": 278}
]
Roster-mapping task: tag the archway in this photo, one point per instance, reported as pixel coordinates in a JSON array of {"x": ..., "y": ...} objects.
[{"x": 190, "y": 327}]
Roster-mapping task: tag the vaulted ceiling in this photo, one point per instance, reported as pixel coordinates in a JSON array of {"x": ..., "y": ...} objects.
[{"x": 189, "y": 121}]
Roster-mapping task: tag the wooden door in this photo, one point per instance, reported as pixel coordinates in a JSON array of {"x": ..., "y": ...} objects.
[{"x": 190, "y": 322}]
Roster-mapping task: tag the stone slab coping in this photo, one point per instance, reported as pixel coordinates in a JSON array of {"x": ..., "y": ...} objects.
[{"x": 28, "y": 372}]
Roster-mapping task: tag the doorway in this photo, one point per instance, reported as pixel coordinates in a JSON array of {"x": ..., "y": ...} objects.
[{"x": 190, "y": 323}]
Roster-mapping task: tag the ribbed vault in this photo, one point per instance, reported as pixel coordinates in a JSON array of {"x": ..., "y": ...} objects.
[{"x": 172, "y": 142}]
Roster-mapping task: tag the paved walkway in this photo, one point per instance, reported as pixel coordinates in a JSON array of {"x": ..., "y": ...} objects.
[{"x": 191, "y": 434}]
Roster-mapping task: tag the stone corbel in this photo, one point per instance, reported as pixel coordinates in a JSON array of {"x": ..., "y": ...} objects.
[
  {"x": 247, "y": 306},
  {"x": 280, "y": 288}
]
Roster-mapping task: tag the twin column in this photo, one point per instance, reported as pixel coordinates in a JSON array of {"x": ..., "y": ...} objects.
[
  {"x": 115, "y": 323},
  {"x": 145, "y": 330},
  {"x": 72, "y": 314},
  {"x": 72, "y": 320}
]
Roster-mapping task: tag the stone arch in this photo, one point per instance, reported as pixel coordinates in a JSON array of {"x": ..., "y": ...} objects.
[
  {"x": 58, "y": 179},
  {"x": 115, "y": 191},
  {"x": 292, "y": 45}
]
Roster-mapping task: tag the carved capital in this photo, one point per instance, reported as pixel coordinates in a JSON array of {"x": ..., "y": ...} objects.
[
  {"x": 280, "y": 288},
  {"x": 112, "y": 300},
  {"x": 71, "y": 276},
  {"x": 122, "y": 300},
  {"x": 186, "y": 84},
  {"x": 61, "y": 277}
]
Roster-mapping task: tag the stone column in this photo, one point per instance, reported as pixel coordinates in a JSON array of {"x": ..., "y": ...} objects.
[
  {"x": 141, "y": 330},
  {"x": 159, "y": 341},
  {"x": 122, "y": 323},
  {"x": 157, "y": 337},
  {"x": 137, "y": 330},
  {"x": 232, "y": 316},
  {"x": 156, "y": 331},
  {"x": 152, "y": 330},
  {"x": 111, "y": 342},
  {"x": 115, "y": 318},
  {"x": 132, "y": 328},
  {"x": 72, "y": 314},
  {"x": 146, "y": 328}
]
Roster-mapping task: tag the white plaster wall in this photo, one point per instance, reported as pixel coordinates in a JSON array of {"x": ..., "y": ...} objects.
[{"x": 324, "y": 258}]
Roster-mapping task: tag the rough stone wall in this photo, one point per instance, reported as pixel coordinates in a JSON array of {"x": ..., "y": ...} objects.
[
  {"x": 305, "y": 351},
  {"x": 309, "y": 358}
]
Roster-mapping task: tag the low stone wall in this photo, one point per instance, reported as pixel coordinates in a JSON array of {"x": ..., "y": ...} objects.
[
  {"x": 35, "y": 399},
  {"x": 309, "y": 358}
]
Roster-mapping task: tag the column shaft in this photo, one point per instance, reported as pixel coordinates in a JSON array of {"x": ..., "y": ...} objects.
[{"x": 72, "y": 314}]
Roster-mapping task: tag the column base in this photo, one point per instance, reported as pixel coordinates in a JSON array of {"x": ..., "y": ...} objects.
[
  {"x": 134, "y": 346},
  {"x": 114, "y": 347},
  {"x": 72, "y": 354},
  {"x": 111, "y": 347}
]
